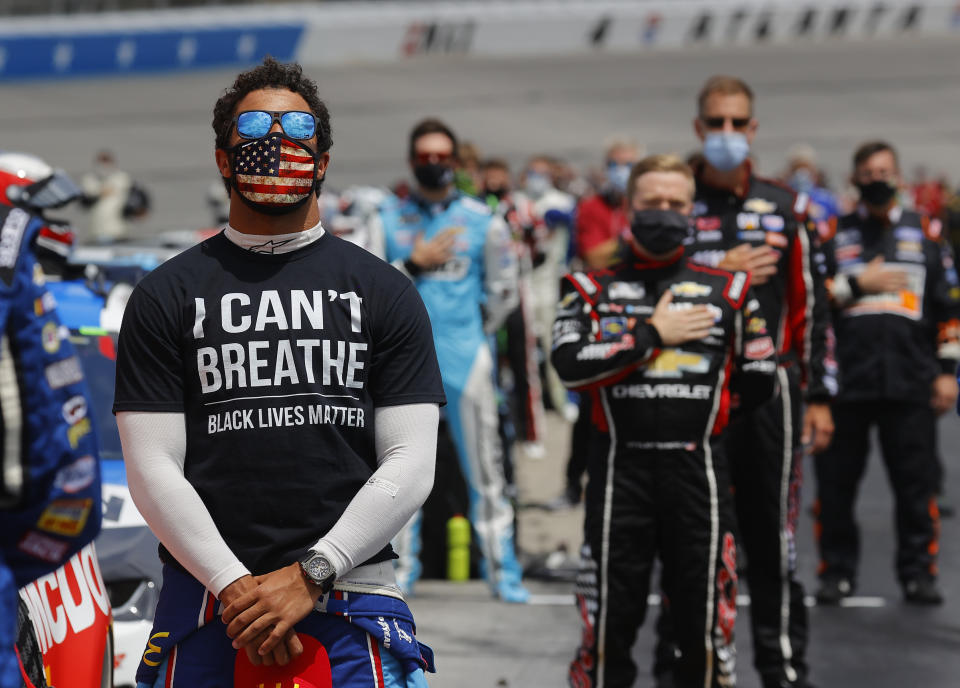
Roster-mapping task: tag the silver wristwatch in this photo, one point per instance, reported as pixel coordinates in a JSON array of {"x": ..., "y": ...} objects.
[{"x": 318, "y": 570}]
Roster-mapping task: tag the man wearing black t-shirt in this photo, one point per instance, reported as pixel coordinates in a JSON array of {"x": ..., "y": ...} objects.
[{"x": 278, "y": 397}]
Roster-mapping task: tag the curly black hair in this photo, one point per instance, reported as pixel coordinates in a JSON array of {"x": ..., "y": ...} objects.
[{"x": 270, "y": 74}]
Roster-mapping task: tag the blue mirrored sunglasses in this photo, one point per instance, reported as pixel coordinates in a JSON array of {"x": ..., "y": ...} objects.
[{"x": 254, "y": 124}]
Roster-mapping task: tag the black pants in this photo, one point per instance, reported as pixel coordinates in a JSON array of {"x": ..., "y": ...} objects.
[
  {"x": 907, "y": 440},
  {"x": 671, "y": 504},
  {"x": 766, "y": 468}
]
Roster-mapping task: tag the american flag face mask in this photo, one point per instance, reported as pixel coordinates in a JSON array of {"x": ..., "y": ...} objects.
[{"x": 274, "y": 174}]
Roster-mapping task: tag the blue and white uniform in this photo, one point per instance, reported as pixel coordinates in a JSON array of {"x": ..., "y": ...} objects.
[
  {"x": 467, "y": 297},
  {"x": 50, "y": 478}
]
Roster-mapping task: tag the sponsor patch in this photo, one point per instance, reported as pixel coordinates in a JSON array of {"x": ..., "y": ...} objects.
[
  {"x": 909, "y": 250},
  {"x": 737, "y": 284},
  {"x": 599, "y": 351},
  {"x": 626, "y": 290},
  {"x": 78, "y": 431},
  {"x": 588, "y": 286},
  {"x": 63, "y": 373},
  {"x": 709, "y": 223},
  {"x": 757, "y": 326},
  {"x": 846, "y": 254},
  {"x": 65, "y": 516},
  {"x": 662, "y": 391},
  {"x": 691, "y": 289},
  {"x": 772, "y": 223},
  {"x": 759, "y": 367},
  {"x": 77, "y": 475},
  {"x": 45, "y": 304},
  {"x": 713, "y": 235},
  {"x": 848, "y": 237},
  {"x": 38, "y": 277},
  {"x": 74, "y": 409},
  {"x": 759, "y": 349},
  {"x": 42, "y": 547},
  {"x": 11, "y": 236},
  {"x": 677, "y": 362},
  {"x": 748, "y": 221},
  {"x": 568, "y": 299},
  {"x": 908, "y": 234},
  {"x": 759, "y": 205},
  {"x": 709, "y": 258},
  {"x": 612, "y": 327},
  {"x": 50, "y": 335},
  {"x": 610, "y": 308},
  {"x": 699, "y": 208},
  {"x": 752, "y": 235}
]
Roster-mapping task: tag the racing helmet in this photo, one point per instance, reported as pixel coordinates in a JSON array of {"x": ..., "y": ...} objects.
[{"x": 29, "y": 182}]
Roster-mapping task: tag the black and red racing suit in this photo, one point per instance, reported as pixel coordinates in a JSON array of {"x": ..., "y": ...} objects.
[
  {"x": 657, "y": 484},
  {"x": 891, "y": 346},
  {"x": 763, "y": 447}
]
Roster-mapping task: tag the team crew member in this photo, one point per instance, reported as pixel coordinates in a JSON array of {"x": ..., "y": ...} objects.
[
  {"x": 459, "y": 256},
  {"x": 277, "y": 398},
  {"x": 50, "y": 477},
  {"x": 743, "y": 222},
  {"x": 897, "y": 315},
  {"x": 662, "y": 344}
]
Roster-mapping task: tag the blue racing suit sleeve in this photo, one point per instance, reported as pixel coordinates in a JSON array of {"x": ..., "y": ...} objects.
[{"x": 51, "y": 470}]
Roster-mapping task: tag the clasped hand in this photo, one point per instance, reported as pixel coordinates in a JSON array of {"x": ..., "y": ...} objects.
[{"x": 261, "y": 611}]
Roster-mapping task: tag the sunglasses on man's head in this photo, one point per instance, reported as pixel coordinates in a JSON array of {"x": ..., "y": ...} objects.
[
  {"x": 718, "y": 122},
  {"x": 432, "y": 158},
  {"x": 255, "y": 124}
]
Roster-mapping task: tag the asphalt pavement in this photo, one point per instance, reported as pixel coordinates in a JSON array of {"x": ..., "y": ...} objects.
[
  {"x": 832, "y": 95},
  {"x": 876, "y": 641}
]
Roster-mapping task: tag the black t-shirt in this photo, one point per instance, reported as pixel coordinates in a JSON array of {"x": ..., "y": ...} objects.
[{"x": 277, "y": 362}]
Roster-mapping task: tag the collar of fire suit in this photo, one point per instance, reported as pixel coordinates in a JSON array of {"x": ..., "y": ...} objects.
[
  {"x": 434, "y": 207},
  {"x": 274, "y": 243},
  {"x": 703, "y": 186},
  {"x": 650, "y": 269},
  {"x": 893, "y": 215}
]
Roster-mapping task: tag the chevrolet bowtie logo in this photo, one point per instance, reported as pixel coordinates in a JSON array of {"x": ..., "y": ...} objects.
[{"x": 676, "y": 362}]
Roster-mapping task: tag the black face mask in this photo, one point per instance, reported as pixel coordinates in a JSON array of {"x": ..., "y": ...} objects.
[
  {"x": 497, "y": 192},
  {"x": 877, "y": 193},
  {"x": 433, "y": 176},
  {"x": 659, "y": 231}
]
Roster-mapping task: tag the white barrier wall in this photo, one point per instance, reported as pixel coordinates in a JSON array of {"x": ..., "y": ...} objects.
[{"x": 345, "y": 32}]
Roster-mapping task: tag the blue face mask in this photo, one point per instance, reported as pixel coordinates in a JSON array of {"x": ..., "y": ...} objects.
[
  {"x": 725, "y": 150},
  {"x": 802, "y": 181},
  {"x": 618, "y": 175},
  {"x": 537, "y": 185}
]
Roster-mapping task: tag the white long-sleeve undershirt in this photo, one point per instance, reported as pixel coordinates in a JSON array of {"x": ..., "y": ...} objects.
[{"x": 154, "y": 449}]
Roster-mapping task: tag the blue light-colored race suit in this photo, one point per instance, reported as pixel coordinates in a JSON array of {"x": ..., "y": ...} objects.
[
  {"x": 475, "y": 289},
  {"x": 50, "y": 478}
]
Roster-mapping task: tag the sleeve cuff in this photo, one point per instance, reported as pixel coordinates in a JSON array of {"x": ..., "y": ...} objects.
[
  {"x": 655, "y": 338},
  {"x": 226, "y": 577},
  {"x": 842, "y": 290},
  {"x": 948, "y": 366},
  {"x": 341, "y": 564}
]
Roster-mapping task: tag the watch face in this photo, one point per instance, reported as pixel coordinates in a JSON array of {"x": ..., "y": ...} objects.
[{"x": 318, "y": 568}]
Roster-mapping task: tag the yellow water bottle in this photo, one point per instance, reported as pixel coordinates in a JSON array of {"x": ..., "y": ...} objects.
[{"x": 458, "y": 548}]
